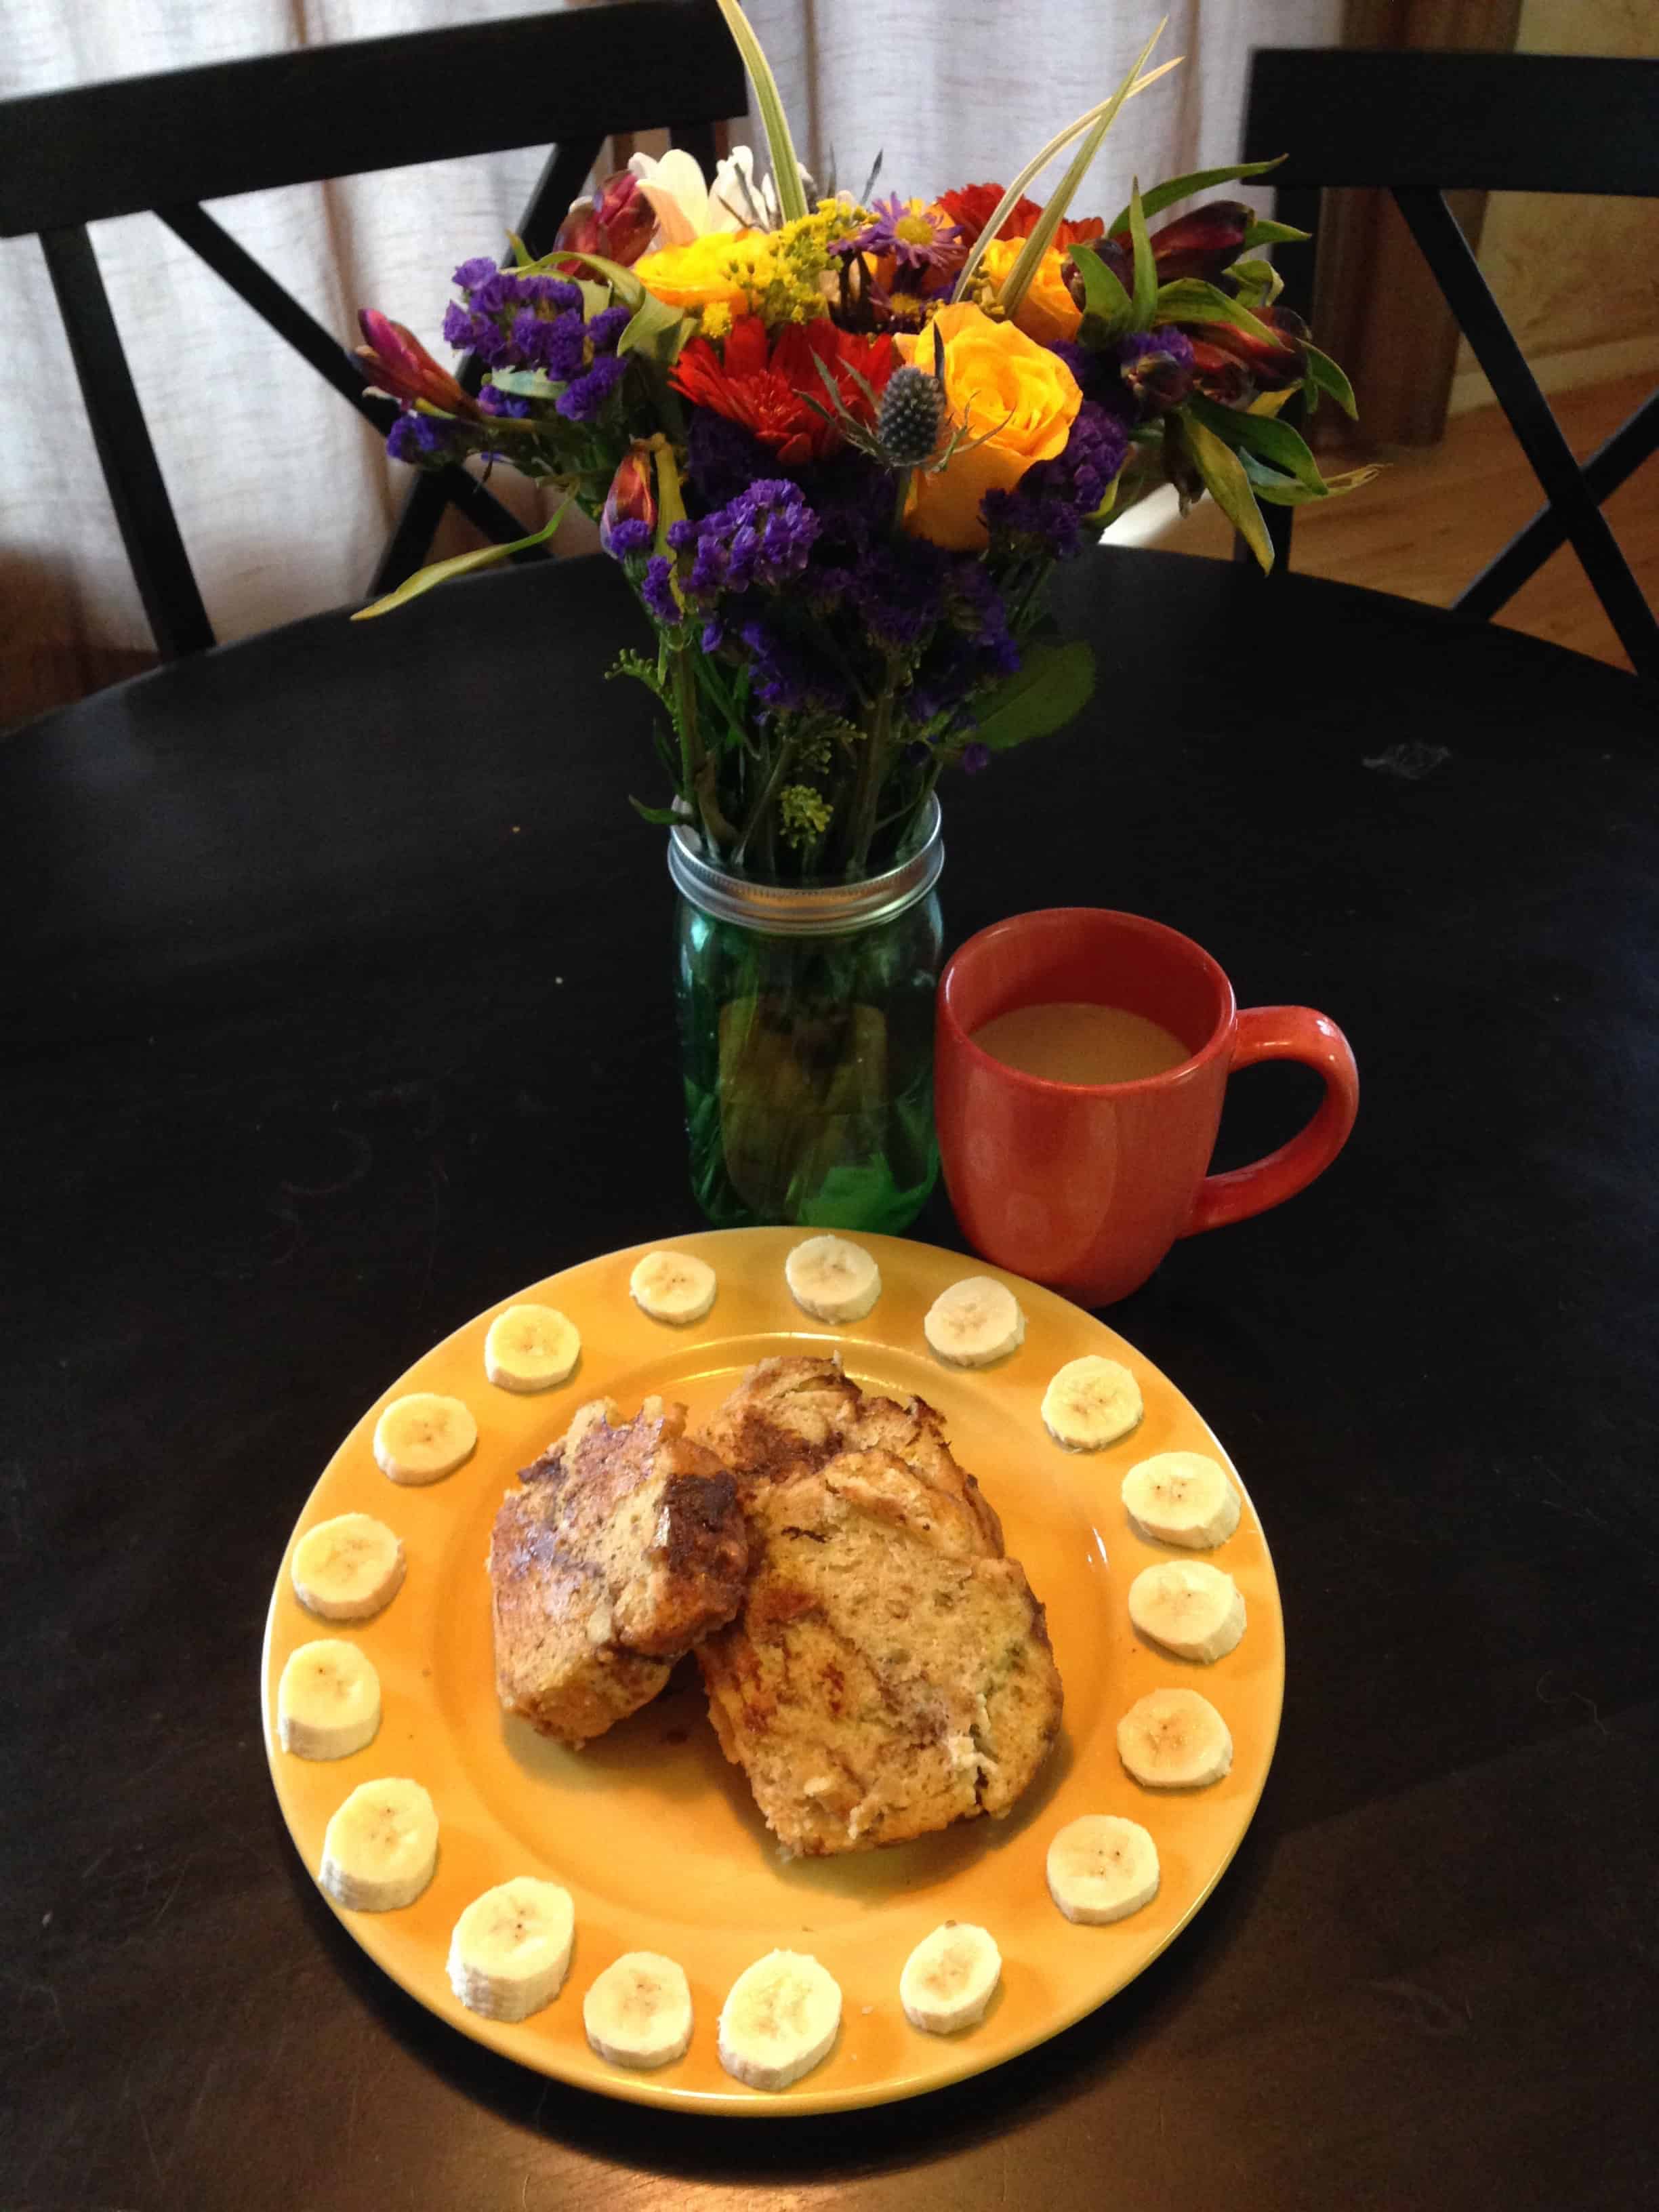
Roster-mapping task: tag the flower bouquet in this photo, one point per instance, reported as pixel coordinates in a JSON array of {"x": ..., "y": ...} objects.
[{"x": 838, "y": 444}]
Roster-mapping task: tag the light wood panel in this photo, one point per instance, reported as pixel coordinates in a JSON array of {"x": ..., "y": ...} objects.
[{"x": 1438, "y": 513}]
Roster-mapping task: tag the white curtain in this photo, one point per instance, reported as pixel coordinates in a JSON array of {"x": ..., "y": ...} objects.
[{"x": 282, "y": 493}]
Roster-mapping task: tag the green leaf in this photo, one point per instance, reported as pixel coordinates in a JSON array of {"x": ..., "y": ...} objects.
[
  {"x": 596, "y": 298},
  {"x": 1261, "y": 232},
  {"x": 1189, "y": 299},
  {"x": 1196, "y": 181},
  {"x": 526, "y": 383},
  {"x": 1103, "y": 294},
  {"x": 1259, "y": 283},
  {"x": 623, "y": 281},
  {"x": 1040, "y": 160},
  {"x": 460, "y": 564},
  {"x": 1228, "y": 484},
  {"x": 786, "y": 169},
  {"x": 1324, "y": 375},
  {"x": 1144, "y": 298},
  {"x": 1029, "y": 260},
  {"x": 1277, "y": 442},
  {"x": 663, "y": 816},
  {"x": 1285, "y": 491},
  {"x": 656, "y": 331},
  {"x": 1053, "y": 684}
]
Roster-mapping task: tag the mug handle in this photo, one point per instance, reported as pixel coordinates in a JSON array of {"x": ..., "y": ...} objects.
[{"x": 1285, "y": 1033}]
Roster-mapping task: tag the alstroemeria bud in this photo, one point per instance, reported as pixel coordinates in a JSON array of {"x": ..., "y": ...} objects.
[
  {"x": 1272, "y": 363},
  {"x": 1203, "y": 244},
  {"x": 619, "y": 224},
  {"x": 1220, "y": 376},
  {"x": 631, "y": 505},
  {"x": 399, "y": 363},
  {"x": 1158, "y": 367}
]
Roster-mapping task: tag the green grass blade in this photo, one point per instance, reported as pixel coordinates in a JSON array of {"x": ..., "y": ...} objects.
[
  {"x": 1196, "y": 181},
  {"x": 460, "y": 564},
  {"x": 1144, "y": 299},
  {"x": 1029, "y": 259},
  {"x": 1039, "y": 162},
  {"x": 786, "y": 169}
]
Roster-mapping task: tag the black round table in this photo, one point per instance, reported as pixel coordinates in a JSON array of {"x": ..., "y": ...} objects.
[{"x": 338, "y": 972}]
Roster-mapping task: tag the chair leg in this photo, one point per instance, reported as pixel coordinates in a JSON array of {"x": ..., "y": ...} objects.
[
  {"x": 150, "y": 529},
  {"x": 1458, "y": 274},
  {"x": 1527, "y": 550}
]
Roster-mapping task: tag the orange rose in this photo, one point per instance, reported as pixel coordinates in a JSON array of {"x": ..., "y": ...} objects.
[
  {"x": 704, "y": 273},
  {"x": 1014, "y": 397},
  {"x": 1047, "y": 311}
]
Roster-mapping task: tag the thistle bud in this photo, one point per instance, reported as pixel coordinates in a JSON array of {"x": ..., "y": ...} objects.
[{"x": 912, "y": 413}]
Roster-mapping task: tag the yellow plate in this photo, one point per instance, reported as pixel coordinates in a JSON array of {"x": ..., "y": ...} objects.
[{"x": 655, "y": 1837}]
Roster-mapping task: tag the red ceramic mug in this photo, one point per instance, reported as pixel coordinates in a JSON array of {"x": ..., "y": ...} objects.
[{"x": 1086, "y": 1186}]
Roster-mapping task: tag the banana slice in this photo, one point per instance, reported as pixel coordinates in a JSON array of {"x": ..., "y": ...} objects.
[
  {"x": 424, "y": 1437},
  {"x": 328, "y": 1701},
  {"x": 639, "y": 2011},
  {"x": 1091, "y": 1402},
  {"x": 1101, "y": 1869},
  {"x": 380, "y": 1848},
  {"x": 780, "y": 2017},
  {"x": 672, "y": 1286},
  {"x": 832, "y": 1279},
  {"x": 949, "y": 1978},
  {"x": 530, "y": 1348},
  {"x": 1175, "y": 1739},
  {"x": 1188, "y": 1606},
  {"x": 348, "y": 1569},
  {"x": 510, "y": 1951},
  {"x": 1182, "y": 1498},
  {"x": 974, "y": 1321}
]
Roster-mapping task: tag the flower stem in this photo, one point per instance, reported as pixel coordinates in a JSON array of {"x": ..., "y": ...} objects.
[
  {"x": 873, "y": 768},
  {"x": 697, "y": 766}
]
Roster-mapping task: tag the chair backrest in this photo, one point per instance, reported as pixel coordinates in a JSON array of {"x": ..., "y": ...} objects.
[
  {"x": 1419, "y": 124},
  {"x": 165, "y": 143}
]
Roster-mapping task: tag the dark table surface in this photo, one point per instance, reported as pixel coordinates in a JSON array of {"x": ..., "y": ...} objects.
[{"x": 338, "y": 1006}]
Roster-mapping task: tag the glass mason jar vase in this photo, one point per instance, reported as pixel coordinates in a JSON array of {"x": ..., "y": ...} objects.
[{"x": 806, "y": 1039}]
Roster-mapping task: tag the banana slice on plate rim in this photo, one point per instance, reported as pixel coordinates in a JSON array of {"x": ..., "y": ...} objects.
[
  {"x": 638, "y": 2012},
  {"x": 1190, "y": 1608},
  {"x": 1091, "y": 1402},
  {"x": 1175, "y": 1739},
  {"x": 532, "y": 1347},
  {"x": 510, "y": 1950},
  {"x": 673, "y": 1286},
  {"x": 1102, "y": 1868},
  {"x": 380, "y": 1848},
  {"x": 976, "y": 1320},
  {"x": 779, "y": 2019},
  {"x": 422, "y": 1436},
  {"x": 349, "y": 1568},
  {"x": 1182, "y": 1498},
  {"x": 832, "y": 1278},
  {"x": 328, "y": 1701},
  {"x": 951, "y": 1977}
]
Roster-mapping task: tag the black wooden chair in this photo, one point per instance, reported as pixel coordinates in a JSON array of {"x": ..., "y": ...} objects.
[
  {"x": 165, "y": 143},
  {"x": 1419, "y": 124}
]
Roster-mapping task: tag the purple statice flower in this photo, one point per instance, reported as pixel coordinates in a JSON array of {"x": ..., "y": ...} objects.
[
  {"x": 415, "y": 437},
  {"x": 503, "y": 403},
  {"x": 785, "y": 677},
  {"x": 721, "y": 457},
  {"x": 656, "y": 589},
  {"x": 899, "y": 591},
  {"x": 471, "y": 274},
  {"x": 607, "y": 326},
  {"x": 909, "y": 235},
  {"x": 762, "y": 537},
  {"x": 976, "y": 758},
  {"x": 629, "y": 536},
  {"x": 1047, "y": 505},
  {"x": 1157, "y": 365},
  {"x": 554, "y": 343},
  {"x": 470, "y": 333},
  {"x": 585, "y": 397}
]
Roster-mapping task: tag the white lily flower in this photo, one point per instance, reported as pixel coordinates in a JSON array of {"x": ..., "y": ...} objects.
[
  {"x": 679, "y": 198},
  {"x": 747, "y": 202}
]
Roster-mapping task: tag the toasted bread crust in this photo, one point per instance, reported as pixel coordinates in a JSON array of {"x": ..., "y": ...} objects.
[
  {"x": 890, "y": 1670},
  {"x": 624, "y": 1547}
]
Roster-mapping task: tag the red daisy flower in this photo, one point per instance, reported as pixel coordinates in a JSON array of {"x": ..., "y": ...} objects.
[
  {"x": 972, "y": 206},
  {"x": 767, "y": 385}
]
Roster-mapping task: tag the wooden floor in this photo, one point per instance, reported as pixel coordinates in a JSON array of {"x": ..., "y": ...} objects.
[{"x": 1437, "y": 514}]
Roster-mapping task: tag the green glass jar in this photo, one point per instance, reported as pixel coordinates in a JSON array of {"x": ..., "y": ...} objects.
[{"x": 806, "y": 1040}]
